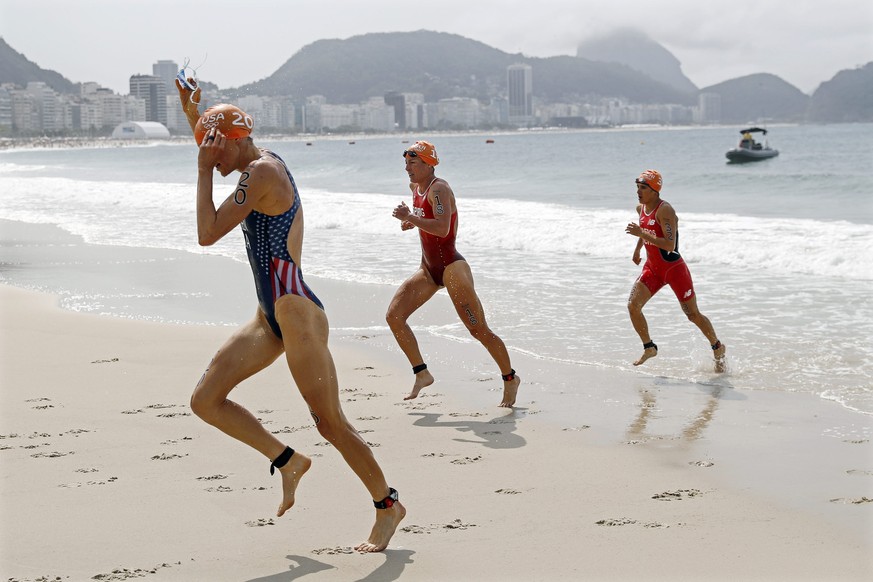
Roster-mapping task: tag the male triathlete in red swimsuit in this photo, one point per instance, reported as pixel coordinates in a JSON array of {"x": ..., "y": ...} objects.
[
  {"x": 433, "y": 212},
  {"x": 658, "y": 231}
]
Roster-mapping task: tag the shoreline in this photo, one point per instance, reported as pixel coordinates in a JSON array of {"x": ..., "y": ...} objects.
[{"x": 48, "y": 143}]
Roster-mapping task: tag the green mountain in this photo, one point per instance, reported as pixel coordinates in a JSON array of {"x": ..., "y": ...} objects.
[
  {"x": 848, "y": 97},
  {"x": 758, "y": 98},
  {"x": 441, "y": 65},
  {"x": 15, "y": 68}
]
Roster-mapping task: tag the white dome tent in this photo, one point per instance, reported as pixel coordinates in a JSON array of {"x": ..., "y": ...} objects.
[{"x": 140, "y": 130}]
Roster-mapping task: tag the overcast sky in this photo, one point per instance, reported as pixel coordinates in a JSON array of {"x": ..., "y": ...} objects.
[{"x": 805, "y": 42}]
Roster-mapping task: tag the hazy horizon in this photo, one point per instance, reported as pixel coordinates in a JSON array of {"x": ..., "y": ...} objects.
[{"x": 804, "y": 42}]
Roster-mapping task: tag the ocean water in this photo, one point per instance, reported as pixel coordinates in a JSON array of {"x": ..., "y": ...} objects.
[{"x": 780, "y": 250}]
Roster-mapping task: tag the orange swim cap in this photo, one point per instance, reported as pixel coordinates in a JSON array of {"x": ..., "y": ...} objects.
[
  {"x": 230, "y": 120},
  {"x": 652, "y": 179},
  {"x": 423, "y": 150}
]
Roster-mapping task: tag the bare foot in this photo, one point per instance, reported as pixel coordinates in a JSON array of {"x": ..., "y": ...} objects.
[
  {"x": 291, "y": 473},
  {"x": 386, "y": 524},
  {"x": 718, "y": 353},
  {"x": 647, "y": 353},
  {"x": 510, "y": 390},
  {"x": 422, "y": 379}
]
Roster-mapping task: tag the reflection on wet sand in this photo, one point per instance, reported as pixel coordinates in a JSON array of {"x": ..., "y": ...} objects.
[{"x": 692, "y": 431}]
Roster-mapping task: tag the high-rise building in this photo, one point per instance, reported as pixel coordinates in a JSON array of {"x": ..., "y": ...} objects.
[
  {"x": 166, "y": 70},
  {"x": 408, "y": 109},
  {"x": 153, "y": 90},
  {"x": 519, "y": 84},
  {"x": 398, "y": 102}
]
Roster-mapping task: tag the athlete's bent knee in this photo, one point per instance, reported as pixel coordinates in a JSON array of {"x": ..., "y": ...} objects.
[{"x": 203, "y": 407}]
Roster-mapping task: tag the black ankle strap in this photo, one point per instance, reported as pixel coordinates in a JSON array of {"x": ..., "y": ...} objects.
[
  {"x": 716, "y": 345},
  {"x": 389, "y": 501},
  {"x": 419, "y": 368},
  {"x": 648, "y": 345},
  {"x": 508, "y": 377},
  {"x": 281, "y": 460}
]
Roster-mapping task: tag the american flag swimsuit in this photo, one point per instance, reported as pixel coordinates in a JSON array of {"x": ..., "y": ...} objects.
[{"x": 275, "y": 272}]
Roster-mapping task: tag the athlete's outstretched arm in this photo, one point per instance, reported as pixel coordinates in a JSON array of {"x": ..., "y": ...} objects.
[{"x": 190, "y": 100}]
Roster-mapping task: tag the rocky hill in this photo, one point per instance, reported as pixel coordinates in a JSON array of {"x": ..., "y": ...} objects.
[
  {"x": 760, "y": 97},
  {"x": 639, "y": 52},
  {"x": 352, "y": 70},
  {"x": 15, "y": 68},
  {"x": 845, "y": 98}
]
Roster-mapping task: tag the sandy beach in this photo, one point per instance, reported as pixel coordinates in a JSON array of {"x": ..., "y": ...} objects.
[{"x": 107, "y": 475}]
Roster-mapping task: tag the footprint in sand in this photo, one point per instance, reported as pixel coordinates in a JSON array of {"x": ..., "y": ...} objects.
[
  {"x": 701, "y": 463},
  {"x": 363, "y": 418},
  {"x": 508, "y": 491},
  {"x": 426, "y": 529},
  {"x": 616, "y": 521},
  {"x": 219, "y": 489},
  {"x": 334, "y": 551},
  {"x": 416, "y": 404},
  {"x": 361, "y": 396},
  {"x": 627, "y": 521},
  {"x": 52, "y": 455},
  {"x": 260, "y": 523},
  {"x": 676, "y": 495},
  {"x": 577, "y": 428},
  {"x": 467, "y": 460},
  {"x": 212, "y": 478},
  {"x": 40, "y": 406},
  {"x": 126, "y": 573},
  {"x": 438, "y": 455},
  {"x": 107, "y": 361},
  {"x": 166, "y": 457},
  {"x": 855, "y": 501},
  {"x": 175, "y": 441},
  {"x": 290, "y": 429},
  {"x": 858, "y": 472}
]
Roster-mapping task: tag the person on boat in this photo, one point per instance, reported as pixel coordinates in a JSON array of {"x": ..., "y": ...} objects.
[
  {"x": 289, "y": 320},
  {"x": 747, "y": 141},
  {"x": 434, "y": 213},
  {"x": 658, "y": 231}
]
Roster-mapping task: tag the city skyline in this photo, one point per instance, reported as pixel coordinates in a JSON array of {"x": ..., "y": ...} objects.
[{"x": 99, "y": 42}]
